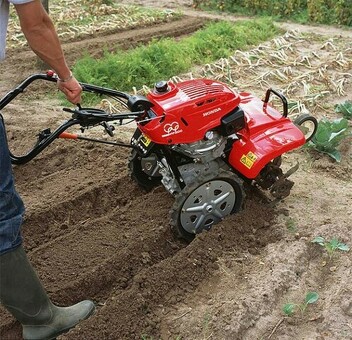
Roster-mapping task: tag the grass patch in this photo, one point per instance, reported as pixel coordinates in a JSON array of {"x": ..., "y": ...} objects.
[{"x": 164, "y": 58}]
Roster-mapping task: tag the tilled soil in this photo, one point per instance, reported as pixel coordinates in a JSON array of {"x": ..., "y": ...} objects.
[{"x": 92, "y": 233}]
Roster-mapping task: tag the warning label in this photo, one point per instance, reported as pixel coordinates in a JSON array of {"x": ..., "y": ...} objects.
[{"x": 248, "y": 160}]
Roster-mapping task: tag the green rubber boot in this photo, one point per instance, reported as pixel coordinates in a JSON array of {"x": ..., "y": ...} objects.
[{"x": 22, "y": 294}]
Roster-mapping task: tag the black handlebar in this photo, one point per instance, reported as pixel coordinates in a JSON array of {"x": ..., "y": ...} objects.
[
  {"x": 51, "y": 76},
  {"x": 84, "y": 117},
  {"x": 21, "y": 87},
  {"x": 281, "y": 96}
]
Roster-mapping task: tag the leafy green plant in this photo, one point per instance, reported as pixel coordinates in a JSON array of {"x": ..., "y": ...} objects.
[
  {"x": 328, "y": 137},
  {"x": 332, "y": 246},
  {"x": 290, "y": 308},
  {"x": 345, "y": 108}
]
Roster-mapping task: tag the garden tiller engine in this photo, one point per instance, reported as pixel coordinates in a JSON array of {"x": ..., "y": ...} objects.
[{"x": 197, "y": 138}]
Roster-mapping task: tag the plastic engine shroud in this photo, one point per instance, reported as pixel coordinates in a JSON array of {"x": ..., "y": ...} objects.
[{"x": 188, "y": 110}]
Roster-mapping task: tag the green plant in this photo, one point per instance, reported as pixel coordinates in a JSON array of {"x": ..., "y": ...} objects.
[
  {"x": 321, "y": 11},
  {"x": 206, "y": 322},
  {"x": 328, "y": 137},
  {"x": 290, "y": 308},
  {"x": 164, "y": 58},
  {"x": 331, "y": 246},
  {"x": 291, "y": 225},
  {"x": 345, "y": 108},
  {"x": 146, "y": 337}
]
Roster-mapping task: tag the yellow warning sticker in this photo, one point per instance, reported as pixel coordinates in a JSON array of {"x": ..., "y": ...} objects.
[
  {"x": 145, "y": 140},
  {"x": 248, "y": 160}
]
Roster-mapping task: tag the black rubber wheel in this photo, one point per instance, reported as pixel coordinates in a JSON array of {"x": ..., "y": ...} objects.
[
  {"x": 307, "y": 124},
  {"x": 144, "y": 180},
  {"x": 206, "y": 202}
]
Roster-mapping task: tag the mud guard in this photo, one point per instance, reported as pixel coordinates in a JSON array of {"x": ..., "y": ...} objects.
[{"x": 250, "y": 155}]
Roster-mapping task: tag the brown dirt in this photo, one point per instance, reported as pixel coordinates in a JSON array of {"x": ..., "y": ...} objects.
[{"x": 91, "y": 232}]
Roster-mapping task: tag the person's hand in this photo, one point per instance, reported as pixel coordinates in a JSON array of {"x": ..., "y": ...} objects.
[{"x": 71, "y": 89}]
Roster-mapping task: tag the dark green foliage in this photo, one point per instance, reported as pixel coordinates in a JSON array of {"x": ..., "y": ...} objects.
[
  {"x": 330, "y": 11},
  {"x": 320, "y": 11},
  {"x": 343, "y": 12}
]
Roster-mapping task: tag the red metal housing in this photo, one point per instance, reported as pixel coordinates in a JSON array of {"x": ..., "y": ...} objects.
[{"x": 267, "y": 135}]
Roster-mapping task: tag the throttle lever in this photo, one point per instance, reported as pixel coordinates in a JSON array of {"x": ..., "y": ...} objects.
[{"x": 108, "y": 128}]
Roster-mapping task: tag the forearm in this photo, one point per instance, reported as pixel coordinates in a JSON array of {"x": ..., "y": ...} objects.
[
  {"x": 42, "y": 37},
  {"x": 44, "y": 42}
]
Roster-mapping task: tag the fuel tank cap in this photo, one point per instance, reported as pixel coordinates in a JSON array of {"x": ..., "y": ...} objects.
[{"x": 161, "y": 86}]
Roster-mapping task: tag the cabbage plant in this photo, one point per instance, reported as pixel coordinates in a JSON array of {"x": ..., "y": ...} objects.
[{"x": 329, "y": 135}]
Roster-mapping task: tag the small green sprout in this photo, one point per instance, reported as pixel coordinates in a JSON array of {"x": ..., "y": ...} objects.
[
  {"x": 290, "y": 308},
  {"x": 146, "y": 337},
  {"x": 291, "y": 225},
  {"x": 331, "y": 246}
]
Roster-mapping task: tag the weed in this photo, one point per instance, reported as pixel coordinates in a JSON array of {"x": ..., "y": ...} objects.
[
  {"x": 290, "y": 308},
  {"x": 331, "y": 246},
  {"x": 291, "y": 225},
  {"x": 206, "y": 322}
]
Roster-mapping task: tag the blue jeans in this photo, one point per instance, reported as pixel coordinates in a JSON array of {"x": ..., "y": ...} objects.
[{"x": 11, "y": 205}]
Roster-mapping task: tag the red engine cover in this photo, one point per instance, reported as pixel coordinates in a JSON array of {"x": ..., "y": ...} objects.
[{"x": 187, "y": 110}]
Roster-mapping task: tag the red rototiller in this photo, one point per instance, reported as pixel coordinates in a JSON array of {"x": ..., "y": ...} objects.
[{"x": 198, "y": 138}]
